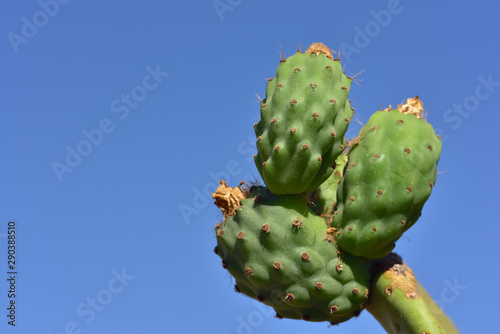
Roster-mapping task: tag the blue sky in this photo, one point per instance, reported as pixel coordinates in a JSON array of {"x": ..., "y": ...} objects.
[{"x": 117, "y": 119}]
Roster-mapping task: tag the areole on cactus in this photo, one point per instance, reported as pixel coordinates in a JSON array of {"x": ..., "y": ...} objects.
[
  {"x": 391, "y": 171},
  {"x": 282, "y": 254},
  {"x": 315, "y": 242}
]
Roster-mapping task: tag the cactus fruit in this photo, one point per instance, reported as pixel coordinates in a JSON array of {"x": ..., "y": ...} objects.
[
  {"x": 315, "y": 243},
  {"x": 391, "y": 171},
  {"x": 281, "y": 254},
  {"x": 303, "y": 121}
]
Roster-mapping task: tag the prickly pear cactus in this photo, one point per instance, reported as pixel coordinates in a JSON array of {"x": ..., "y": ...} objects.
[
  {"x": 391, "y": 171},
  {"x": 303, "y": 121},
  {"x": 282, "y": 254},
  {"x": 315, "y": 244}
]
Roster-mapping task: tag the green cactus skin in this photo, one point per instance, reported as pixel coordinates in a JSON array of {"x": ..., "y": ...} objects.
[
  {"x": 401, "y": 305},
  {"x": 391, "y": 171},
  {"x": 325, "y": 196},
  {"x": 304, "y": 117},
  {"x": 281, "y": 254},
  {"x": 315, "y": 245},
  {"x": 445, "y": 322}
]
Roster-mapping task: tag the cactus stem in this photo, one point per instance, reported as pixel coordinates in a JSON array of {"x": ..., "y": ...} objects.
[{"x": 399, "y": 304}]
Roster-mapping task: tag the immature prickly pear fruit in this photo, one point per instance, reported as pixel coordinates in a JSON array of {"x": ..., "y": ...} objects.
[
  {"x": 304, "y": 117},
  {"x": 391, "y": 170},
  {"x": 282, "y": 254}
]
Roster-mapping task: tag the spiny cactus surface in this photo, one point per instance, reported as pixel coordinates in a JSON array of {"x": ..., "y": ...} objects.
[
  {"x": 315, "y": 243},
  {"x": 391, "y": 171},
  {"x": 282, "y": 254},
  {"x": 304, "y": 117}
]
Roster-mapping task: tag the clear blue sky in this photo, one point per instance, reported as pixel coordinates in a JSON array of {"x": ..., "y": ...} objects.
[{"x": 117, "y": 115}]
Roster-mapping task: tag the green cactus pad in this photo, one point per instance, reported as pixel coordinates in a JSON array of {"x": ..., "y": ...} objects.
[
  {"x": 304, "y": 117},
  {"x": 282, "y": 254},
  {"x": 391, "y": 170}
]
